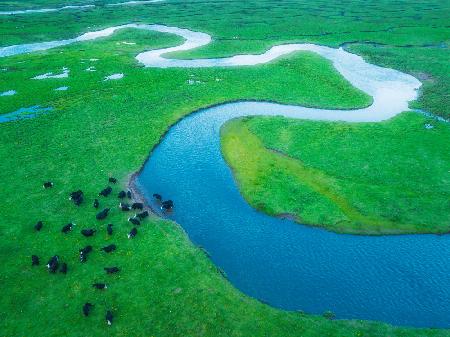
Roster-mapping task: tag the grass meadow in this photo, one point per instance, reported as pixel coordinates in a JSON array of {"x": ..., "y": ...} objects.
[{"x": 167, "y": 286}]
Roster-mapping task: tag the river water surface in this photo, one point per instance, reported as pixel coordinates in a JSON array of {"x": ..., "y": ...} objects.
[{"x": 403, "y": 280}]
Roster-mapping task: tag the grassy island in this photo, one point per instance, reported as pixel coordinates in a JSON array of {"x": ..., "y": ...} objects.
[{"x": 360, "y": 178}]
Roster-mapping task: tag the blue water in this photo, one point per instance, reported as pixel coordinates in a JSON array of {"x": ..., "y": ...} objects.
[
  {"x": 403, "y": 280},
  {"x": 24, "y": 113}
]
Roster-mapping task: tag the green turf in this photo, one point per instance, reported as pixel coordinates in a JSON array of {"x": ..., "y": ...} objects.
[
  {"x": 306, "y": 73},
  {"x": 107, "y": 128},
  {"x": 412, "y": 37},
  {"x": 167, "y": 287},
  {"x": 364, "y": 178}
]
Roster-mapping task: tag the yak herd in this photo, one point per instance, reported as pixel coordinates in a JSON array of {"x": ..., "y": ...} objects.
[{"x": 77, "y": 197}]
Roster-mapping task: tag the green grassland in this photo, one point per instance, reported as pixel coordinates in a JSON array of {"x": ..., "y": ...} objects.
[
  {"x": 313, "y": 80},
  {"x": 365, "y": 178},
  {"x": 412, "y": 37},
  {"x": 167, "y": 287}
]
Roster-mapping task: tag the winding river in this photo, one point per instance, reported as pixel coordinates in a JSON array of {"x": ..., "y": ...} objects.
[{"x": 404, "y": 279}]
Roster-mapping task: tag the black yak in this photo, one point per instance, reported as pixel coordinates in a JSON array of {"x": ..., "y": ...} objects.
[
  {"x": 132, "y": 233},
  {"x": 67, "y": 228},
  {"x": 111, "y": 270},
  {"x": 105, "y": 192},
  {"x": 87, "y": 308},
  {"x": 142, "y": 215},
  {"x": 77, "y": 197},
  {"x": 124, "y": 207},
  {"x": 109, "y": 248},
  {"x": 103, "y": 214},
  {"x": 88, "y": 232},
  {"x": 99, "y": 286},
  {"x": 38, "y": 226},
  {"x": 109, "y": 317},
  {"x": 134, "y": 221},
  {"x": 53, "y": 264},
  {"x": 137, "y": 205},
  {"x": 166, "y": 205},
  {"x": 84, "y": 253}
]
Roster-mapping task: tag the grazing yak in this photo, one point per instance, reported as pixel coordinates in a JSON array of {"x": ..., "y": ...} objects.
[
  {"x": 34, "y": 260},
  {"x": 88, "y": 232},
  {"x": 105, "y": 192},
  {"x": 167, "y": 205},
  {"x": 109, "y": 229},
  {"x": 96, "y": 203},
  {"x": 67, "y": 228},
  {"x": 137, "y": 205},
  {"x": 124, "y": 207},
  {"x": 109, "y": 317},
  {"x": 142, "y": 215},
  {"x": 112, "y": 180},
  {"x": 122, "y": 194},
  {"x": 99, "y": 286},
  {"x": 38, "y": 226},
  {"x": 134, "y": 221},
  {"x": 111, "y": 270},
  {"x": 132, "y": 233},
  {"x": 53, "y": 264},
  {"x": 129, "y": 195},
  {"x": 109, "y": 248},
  {"x": 77, "y": 197},
  {"x": 47, "y": 184},
  {"x": 103, "y": 214},
  {"x": 63, "y": 268},
  {"x": 84, "y": 253},
  {"x": 157, "y": 196},
  {"x": 87, "y": 308}
]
